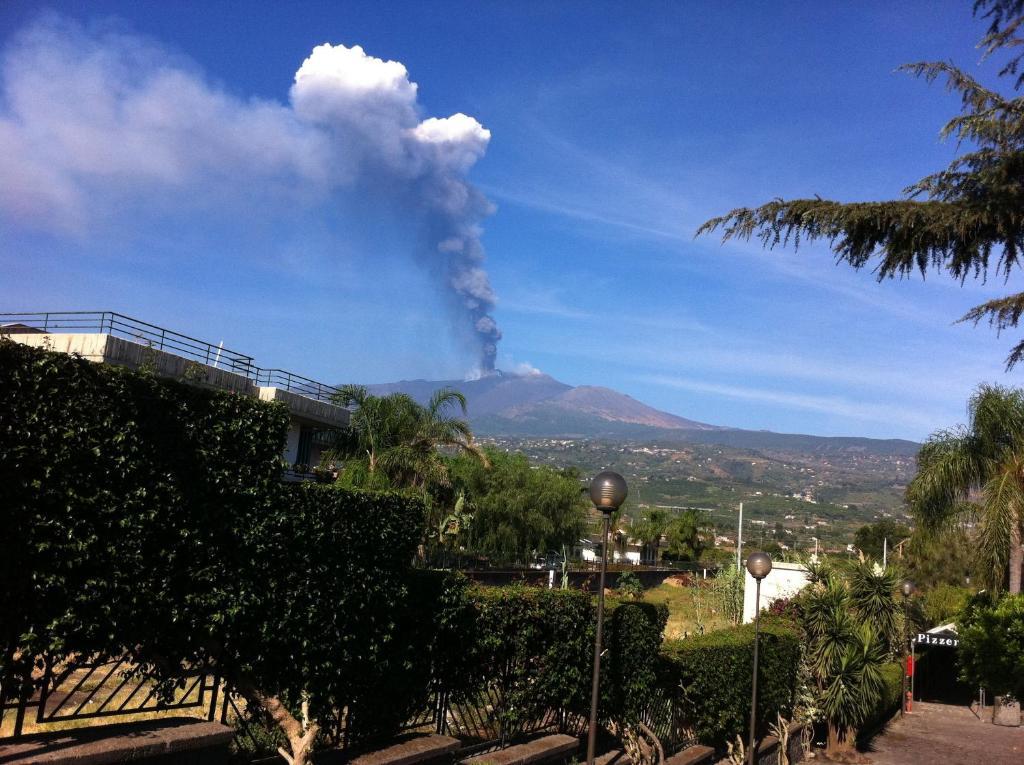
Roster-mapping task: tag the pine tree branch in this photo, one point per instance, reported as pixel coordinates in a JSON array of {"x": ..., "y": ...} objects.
[
  {"x": 1002, "y": 313},
  {"x": 907, "y": 235}
]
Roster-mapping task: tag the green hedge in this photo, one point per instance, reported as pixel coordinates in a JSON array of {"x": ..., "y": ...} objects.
[
  {"x": 319, "y": 600},
  {"x": 538, "y": 644},
  {"x": 887, "y": 706},
  {"x": 148, "y": 515},
  {"x": 116, "y": 488},
  {"x": 630, "y": 669},
  {"x": 712, "y": 675}
]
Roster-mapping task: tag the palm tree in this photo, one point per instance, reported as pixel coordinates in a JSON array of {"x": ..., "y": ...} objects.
[
  {"x": 648, "y": 530},
  {"x": 686, "y": 535},
  {"x": 401, "y": 438},
  {"x": 978, "y": 470}
]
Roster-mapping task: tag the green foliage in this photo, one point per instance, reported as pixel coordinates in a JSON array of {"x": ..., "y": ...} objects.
[
  {"x": 117, "y": 492},
  {"x": 629, "y": 586},
  {"x": 727, "y": 593},
  {"x": 394, "y": 440},
  {"x": 687, "y": 536},
  {"x": 634, "y": 639},
  {"x": 324, "y": 606},
  {"x": 943, "y": 604},
  {"x": 148, "y": 516},
  {"x": 870, "y": 539},
  {"x": 712, "y": 674},
  {"x": 519, "y": 510},
  {"x": 889, "y": 700},
  {"x": 955, "y": 220},
  {"x": 992, "y": 646},
  {"x": 983, "y": 461},
  {"x": 649, "y": 528},
  {"x": 873, "y": 597},
  {"x": 944, "y": 556},
  {"x": 536, "y": 647},
  {"x": 851, "y": 623}
]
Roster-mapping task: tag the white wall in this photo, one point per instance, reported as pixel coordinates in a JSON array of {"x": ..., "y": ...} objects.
[
  {"x": 291, "y": 448},
  {"x": 784, "y": 581}
]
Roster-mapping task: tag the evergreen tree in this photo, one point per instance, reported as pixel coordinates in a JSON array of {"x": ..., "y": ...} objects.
[
  {"x": 871, "y": 539},
  {"x": 957, "y": 220}
]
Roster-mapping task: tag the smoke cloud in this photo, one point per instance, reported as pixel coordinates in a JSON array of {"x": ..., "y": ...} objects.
[{"x": 94, "y": 123}]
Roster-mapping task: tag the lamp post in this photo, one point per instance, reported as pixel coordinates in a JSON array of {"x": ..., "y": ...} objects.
[
  {"x": 906, "y": 589},
  {"x": 759, "y": 565},
  {"x": 607, "y": 491}
]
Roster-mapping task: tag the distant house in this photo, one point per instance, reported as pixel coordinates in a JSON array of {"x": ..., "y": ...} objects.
[
  {"x": 621, "y": 549},
  {"x": 111, "y": 338}
]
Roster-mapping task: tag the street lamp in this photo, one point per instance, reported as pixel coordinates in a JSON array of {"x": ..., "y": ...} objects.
[
  {"x": 759, "y": 565},
  {"x": 906, "y": 589},
  {"x": 607, "y": 491}
]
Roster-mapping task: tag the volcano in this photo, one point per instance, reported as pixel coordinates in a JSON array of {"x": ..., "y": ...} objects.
[{"x": 538, "y": 405}]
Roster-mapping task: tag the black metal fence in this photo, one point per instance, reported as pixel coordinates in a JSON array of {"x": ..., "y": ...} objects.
[
  {"x": 162, "y": 339},
  {"x": 88, "y": 688},
  {"x": 82, "y": 691}
]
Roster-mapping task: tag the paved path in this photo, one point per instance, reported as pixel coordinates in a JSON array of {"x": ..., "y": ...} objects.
[{"x": 940, "y": 734}]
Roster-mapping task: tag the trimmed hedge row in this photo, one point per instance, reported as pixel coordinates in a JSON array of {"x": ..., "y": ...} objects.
[
  {"x": 712, "y": 675},
  {"x": 149, "y": 516},
  {"x": 888, "y": 705},
  {"x": 116, "y": 488},
  {"x": 535, "y": 647}
]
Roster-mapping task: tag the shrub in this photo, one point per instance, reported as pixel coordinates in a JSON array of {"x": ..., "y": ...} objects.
[
  {"x": 892, "y": 689},
  {"x": 630, "y": 671},
  {"x": 727, "y": 593},
  {"x": 629, "y": 586},
  {"x": 148, "y": 516},
  {"x": 118, "y": 492},
  {"x": 943, "y": 603},
  {"x": 992, "y": 646},
  {"x": 713, "y": 674},
  {"x": 539, "y": 643}
]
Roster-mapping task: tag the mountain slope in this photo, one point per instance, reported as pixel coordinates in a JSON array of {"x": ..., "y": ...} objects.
[{"x": 537, "y": 405}]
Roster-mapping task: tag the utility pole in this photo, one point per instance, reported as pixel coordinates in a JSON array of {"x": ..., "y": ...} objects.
[{"x": 739, "y": 540}]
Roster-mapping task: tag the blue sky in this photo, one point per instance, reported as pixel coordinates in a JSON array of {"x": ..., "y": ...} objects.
[{"x": 615, "y": 129}]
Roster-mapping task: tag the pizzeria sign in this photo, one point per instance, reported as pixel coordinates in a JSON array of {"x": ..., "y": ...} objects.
[{"x": 926, "y": 638}]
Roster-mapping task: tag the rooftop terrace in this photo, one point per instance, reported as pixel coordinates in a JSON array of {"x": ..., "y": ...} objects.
[{"x": 165, "y": 340}]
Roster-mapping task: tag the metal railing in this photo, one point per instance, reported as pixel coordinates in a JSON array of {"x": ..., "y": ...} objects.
[
  {"x": 279, "y": 378},
  {"x": 162, "y": 339},
  {"x": 88, "y": 687}
]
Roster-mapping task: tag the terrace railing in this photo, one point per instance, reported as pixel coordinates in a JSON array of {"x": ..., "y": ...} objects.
[
  {"x": 279, "y": 378},
  {"x": 163, "y": 339}
]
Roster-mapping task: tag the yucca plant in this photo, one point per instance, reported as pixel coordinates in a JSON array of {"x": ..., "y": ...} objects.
[
  {"x": 873, "y": 594},
  {"x": 845, "y": 655}
]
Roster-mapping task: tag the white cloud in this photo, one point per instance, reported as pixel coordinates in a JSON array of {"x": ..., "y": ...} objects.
[
  {"x": 833, "y": 405},
  {"x": 98, "y": 126}
]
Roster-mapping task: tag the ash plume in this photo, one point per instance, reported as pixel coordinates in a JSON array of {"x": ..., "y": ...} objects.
[{"x": 153, "y": 128}]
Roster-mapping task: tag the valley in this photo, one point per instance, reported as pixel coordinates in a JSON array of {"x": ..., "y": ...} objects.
[{"x": 788, "y": 497}]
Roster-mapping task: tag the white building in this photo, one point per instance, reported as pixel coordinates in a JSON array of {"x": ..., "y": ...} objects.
[{"x": 784, "y": 581}]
